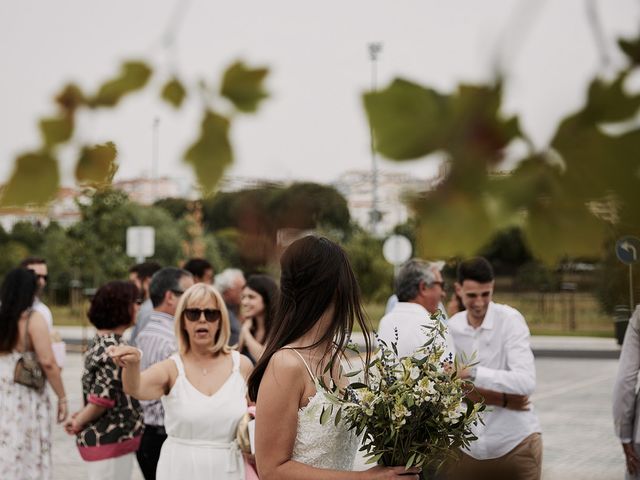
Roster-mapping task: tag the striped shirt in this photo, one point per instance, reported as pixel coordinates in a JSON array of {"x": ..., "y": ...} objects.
[{"x": 158, "y": 342}]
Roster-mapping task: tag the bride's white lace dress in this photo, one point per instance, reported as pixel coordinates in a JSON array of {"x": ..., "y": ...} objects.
[{"x": 327, "y": 446}]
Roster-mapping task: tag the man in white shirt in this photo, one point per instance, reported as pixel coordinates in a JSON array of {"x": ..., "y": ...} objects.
[
  {"x": 420, "y": 290},
  {"x": 230, "y": 283},
  {"x": 39, "y": 267},
  {"x": 509, "y": 444}
]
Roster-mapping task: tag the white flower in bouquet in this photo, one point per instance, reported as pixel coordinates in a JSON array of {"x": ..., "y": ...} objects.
[{"x": 412, "y": 410}]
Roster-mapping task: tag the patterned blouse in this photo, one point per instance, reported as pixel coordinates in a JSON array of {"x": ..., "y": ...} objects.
[{"x": 119, "y": 430}]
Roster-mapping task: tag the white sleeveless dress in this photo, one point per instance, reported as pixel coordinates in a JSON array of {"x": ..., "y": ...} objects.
[
  {"x": 201, "y": 429},
  {"x": 323, "y": 446}
]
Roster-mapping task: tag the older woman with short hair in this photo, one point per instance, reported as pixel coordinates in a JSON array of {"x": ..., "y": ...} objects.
[
  {"x": 109, "y": 427},
  {"x": 202, "y": 389}
]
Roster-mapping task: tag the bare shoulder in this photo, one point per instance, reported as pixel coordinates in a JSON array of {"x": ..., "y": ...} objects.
[
  {"x": 37, "y": 322},
  {"x": 285, "y": 366},
  {"x": 245, "y": 366}
]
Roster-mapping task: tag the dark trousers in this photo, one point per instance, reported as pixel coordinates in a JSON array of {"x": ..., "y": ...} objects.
[{"x": 149, "y": 451}]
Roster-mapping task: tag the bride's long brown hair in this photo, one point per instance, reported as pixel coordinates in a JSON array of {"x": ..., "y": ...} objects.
[{"x": 316, "y": 273}]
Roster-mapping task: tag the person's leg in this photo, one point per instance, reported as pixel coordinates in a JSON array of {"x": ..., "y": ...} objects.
[
  {"x": 123, "y": 466},
  {"x": 627, "y": 475},
  {"x": 526, "y": 459},
  {"x": 149, "y": 452},
  {"x": 100, "y": 470}
]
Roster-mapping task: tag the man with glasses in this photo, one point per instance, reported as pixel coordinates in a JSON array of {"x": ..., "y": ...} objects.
[
  {"x": 157, "y": 341},
  {"x": 39, "y": 267},
  {"x": 420, "y": 290}
]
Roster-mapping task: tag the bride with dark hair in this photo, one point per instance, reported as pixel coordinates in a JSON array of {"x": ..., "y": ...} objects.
[{"x": 319, "y": 302}]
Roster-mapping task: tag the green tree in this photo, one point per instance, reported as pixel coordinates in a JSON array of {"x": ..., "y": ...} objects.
[
  {"x": 177, "y": 207},
  {"x": 309, "y": 205},
  {"x": 374, "y": 274},
  {"x": 29, "y": 234}
]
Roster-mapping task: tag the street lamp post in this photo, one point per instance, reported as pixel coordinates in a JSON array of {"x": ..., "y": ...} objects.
[{"x": 374, "y": 215}]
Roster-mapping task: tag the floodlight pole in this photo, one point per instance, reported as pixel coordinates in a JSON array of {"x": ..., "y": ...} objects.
[
  {"x": 155, "y": 153},
  {"x": 374, "y": 215}
]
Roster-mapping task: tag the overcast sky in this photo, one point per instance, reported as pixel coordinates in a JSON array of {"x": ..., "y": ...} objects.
[{"x": 313, "y": 126}]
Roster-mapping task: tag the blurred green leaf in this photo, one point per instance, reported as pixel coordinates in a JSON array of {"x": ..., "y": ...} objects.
[
  {"x": 35, "y": 179},
  {"x": 211, "y": 154},
  {"x": 631, "y": 48},
  {"x": 406, "y": 119},
  {"x": 97, "y": 164},
  {"x": 56, "y": 130},
  {"x": 70, "y": 98},
  {"x": 174, "y": 93},
  {"x": 244, "y": 86},
  {"x": 452, "y": 223},
  {"x": 561, "y": 227},
  {"x": 133, "y": 76},
  {"x": 609, "y": 102},
  {"x": 475, "y": 128}
]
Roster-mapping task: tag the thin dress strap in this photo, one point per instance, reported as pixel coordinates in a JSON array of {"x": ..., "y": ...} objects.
[
  {"x": 178, "y": 361},
  {"x": 235, "y": 357},
  {"x": 313, "y": 377}
]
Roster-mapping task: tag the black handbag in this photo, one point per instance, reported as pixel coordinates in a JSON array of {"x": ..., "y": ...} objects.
[{"x": 28, "y": 371}]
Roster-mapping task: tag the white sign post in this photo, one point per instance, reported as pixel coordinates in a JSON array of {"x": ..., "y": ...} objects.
[
  {"x": 397, "y": 250},
  {"x": 141, "y": 242}
]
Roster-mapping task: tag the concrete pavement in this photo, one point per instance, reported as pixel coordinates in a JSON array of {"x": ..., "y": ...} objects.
[{"x": 573, "y": 401}]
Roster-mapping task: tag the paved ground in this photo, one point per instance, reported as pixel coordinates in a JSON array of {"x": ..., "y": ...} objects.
[{"x": 573, "y": 402}]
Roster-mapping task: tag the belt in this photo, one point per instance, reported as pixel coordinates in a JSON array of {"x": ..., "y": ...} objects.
[{"x": 233, "y": 459}]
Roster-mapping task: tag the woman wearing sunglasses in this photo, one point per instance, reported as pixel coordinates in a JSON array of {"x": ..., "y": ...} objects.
[{"x": 202, "y": 389}]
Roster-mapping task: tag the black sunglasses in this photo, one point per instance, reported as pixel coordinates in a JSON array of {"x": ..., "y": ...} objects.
[{"x": 210, "y": 314}]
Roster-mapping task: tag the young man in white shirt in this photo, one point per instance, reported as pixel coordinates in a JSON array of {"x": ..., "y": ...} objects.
[{"x": 509, "y": 444}]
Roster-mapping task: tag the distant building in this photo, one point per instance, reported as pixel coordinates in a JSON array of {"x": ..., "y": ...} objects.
[
  {"x": 62, "y": 210},
  {"x": 146, "y": 191},
  {"x": 357, "y": 188},
  {"x": 236, "y": 183}
]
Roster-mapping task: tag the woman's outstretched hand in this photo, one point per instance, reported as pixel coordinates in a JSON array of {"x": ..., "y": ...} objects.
[
  {"x": 125, "y": 355},
  {"x": 391, "y": 473}
]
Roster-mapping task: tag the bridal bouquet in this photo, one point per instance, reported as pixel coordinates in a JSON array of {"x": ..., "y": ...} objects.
[{"x": 413, "y": 410}]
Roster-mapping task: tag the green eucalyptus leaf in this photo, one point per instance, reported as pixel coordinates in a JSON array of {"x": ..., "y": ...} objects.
[
  {"x": 374, "y": 458},
  {"x": 97, "y": 164},
  {"x": 326, "y": 414},
  {"x": 211, "y": 154},
  {"x": 338, "y": 417},
  {"x": 56, "y": 130},
  {"x": 35, "y": 179},
  {"x": 133, "y": 76},
  {"x": 244, "y": 86},
  {"x": 174, "y": 93}
]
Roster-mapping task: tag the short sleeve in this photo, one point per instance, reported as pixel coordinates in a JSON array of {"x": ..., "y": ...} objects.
[{"x": 105, "y": 378}]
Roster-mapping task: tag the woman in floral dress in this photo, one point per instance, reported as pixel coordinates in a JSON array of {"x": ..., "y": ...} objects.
[{"x": 25, "y": 413}]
